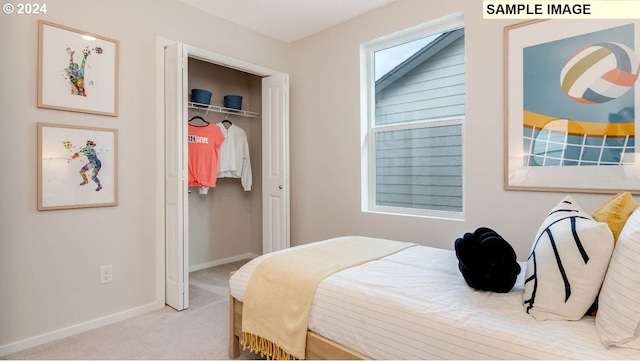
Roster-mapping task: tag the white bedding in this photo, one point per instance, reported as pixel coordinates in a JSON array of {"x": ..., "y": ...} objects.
[{"x": 415, "y": 304}]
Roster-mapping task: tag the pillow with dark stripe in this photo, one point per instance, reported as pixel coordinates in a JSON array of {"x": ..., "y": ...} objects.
[{"x": 567, "y": 263}]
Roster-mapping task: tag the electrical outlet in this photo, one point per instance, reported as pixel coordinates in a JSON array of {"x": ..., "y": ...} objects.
[{"x": 106, "y": 274}]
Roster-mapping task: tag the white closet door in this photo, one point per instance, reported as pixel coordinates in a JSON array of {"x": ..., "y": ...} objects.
[
  {"x": 176, "y": 206},
  {"x": 275, "y": 163}
]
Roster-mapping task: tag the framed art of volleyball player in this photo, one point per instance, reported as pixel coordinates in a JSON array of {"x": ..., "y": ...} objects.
[
  {"x": 77, "y": 167},
  {"x": 77, "y": 70}
]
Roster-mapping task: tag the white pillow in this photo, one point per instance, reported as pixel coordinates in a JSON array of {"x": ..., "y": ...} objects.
[
  {"x": 567, "y": 263},
  {"x": 618, "y": 317}
]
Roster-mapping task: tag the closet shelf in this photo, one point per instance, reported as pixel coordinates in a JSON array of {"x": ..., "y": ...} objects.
[{"x": 217, "y": 109}]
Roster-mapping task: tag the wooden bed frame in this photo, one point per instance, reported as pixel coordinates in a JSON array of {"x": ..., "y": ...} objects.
[{"x": 318, "y": 347}]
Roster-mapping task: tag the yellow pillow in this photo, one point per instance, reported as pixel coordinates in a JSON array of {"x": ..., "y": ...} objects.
[{"x": 615, "y": 212}]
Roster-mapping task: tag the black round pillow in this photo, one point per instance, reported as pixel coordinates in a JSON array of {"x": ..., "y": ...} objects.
[{"x": 487, "y": 262}]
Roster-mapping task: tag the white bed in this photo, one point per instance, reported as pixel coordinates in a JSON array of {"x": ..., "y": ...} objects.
[{"x": 415, "y": 304}]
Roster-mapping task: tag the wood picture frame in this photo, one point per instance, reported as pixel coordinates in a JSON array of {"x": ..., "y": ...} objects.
[
  {"x": 77, "y": 70},
  {"x": 570, "y": 91},
  {"x": 77, "y": 166}
]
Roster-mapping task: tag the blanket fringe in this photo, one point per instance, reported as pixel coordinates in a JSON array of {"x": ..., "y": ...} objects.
[{"x": 257, "y": 344}]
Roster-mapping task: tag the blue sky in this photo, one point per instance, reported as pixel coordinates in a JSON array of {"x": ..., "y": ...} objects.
[{"x": 389, "y": 58}]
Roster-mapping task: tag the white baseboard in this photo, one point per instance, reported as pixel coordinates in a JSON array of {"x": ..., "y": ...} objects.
[
  {"x": 107, "y": 320},
  {"x": 201, "y": 266},
  {"x": 76, "y": 329}
]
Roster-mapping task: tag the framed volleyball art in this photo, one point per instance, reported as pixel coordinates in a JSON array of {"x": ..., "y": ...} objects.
[
  {"x": 77, "y": 166},
  {"x": 571, "y": 89},
  {"x": 77, "y": 70}
]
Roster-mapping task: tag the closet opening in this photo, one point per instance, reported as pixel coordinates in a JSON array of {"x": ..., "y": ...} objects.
[
  {"x": 225, "y": 221},
  {"x": 237, "y": 219}
]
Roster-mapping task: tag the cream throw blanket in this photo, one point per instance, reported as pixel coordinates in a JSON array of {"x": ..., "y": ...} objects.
[{"x": 281, "y": 289}]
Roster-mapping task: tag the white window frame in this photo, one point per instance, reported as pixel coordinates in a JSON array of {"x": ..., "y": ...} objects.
[{"x": 369, "y": 129}]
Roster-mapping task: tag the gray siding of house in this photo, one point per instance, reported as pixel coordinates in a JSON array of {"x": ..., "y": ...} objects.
[{"x": 422, "y": 168}]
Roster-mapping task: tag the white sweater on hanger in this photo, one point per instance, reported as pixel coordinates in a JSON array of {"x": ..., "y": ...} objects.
[{"x": 233, "y": 158}]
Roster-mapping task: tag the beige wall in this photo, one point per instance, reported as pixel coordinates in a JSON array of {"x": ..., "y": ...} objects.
[
  {"x": 49, "y": 261},
  {"x": 325, "y": 136}
]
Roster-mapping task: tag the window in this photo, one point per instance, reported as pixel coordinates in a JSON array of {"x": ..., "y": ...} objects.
[{"x": 414, "y": 93}]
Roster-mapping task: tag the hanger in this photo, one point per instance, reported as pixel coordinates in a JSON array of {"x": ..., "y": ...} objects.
[
  {"x": 201, "y": 118},
  {"x": 226, "y": 119}
]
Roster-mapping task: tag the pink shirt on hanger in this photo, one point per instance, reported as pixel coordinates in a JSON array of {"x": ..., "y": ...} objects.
[{"x": 204, "y": 142}]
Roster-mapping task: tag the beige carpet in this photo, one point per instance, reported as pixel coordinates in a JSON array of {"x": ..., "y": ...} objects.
[{"x": 197, "y": 333}]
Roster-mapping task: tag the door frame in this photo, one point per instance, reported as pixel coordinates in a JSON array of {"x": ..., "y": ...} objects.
[{"x": 203, "y": 55}]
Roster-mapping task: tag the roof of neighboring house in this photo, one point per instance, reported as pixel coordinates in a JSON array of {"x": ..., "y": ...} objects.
[{"x": 418, "y": 58}]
